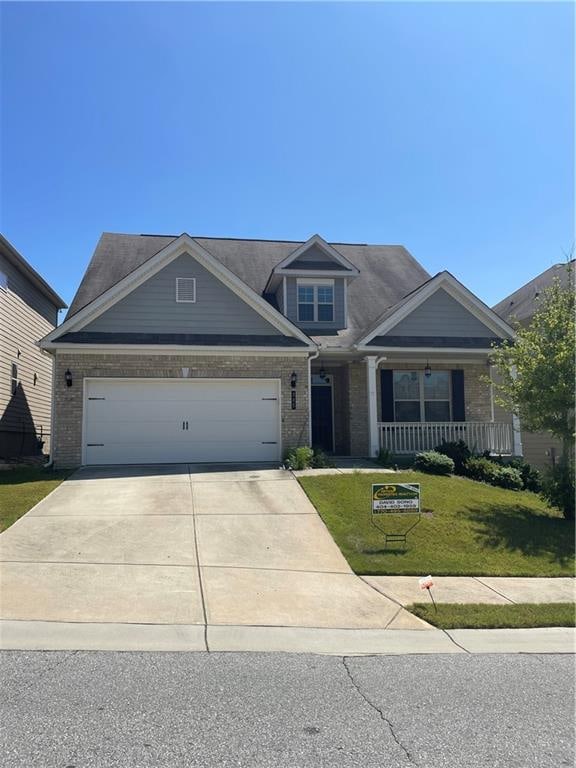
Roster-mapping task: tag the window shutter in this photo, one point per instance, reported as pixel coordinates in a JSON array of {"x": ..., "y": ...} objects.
[
  {"x": 458, "y": 407},
  {"x": 387, "y": 395}
]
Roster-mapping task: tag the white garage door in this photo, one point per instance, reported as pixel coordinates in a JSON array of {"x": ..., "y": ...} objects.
[{"x": 137, "y": 421}]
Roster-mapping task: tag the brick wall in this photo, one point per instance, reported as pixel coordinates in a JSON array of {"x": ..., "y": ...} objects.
[
  {"x": 476, "y": 391},
  {"x": 358, "y": 405},
  {"x": 69, "y": 400}
]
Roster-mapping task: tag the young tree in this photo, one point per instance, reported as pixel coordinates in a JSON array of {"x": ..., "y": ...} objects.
[{"x": 537, "y": 378}]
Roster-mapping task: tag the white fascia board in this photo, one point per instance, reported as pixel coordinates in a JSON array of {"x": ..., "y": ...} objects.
[
  {"x": 169, "y": 349},
  {"x": 324, "y": 246},
  {"x": 458, "y": 292},
  {"x": 424, "y": 350},
  {"x": 183, "y": 244}
]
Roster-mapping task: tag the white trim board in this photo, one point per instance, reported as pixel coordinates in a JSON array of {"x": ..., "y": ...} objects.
[
  {"x": 457, "y": 291},
  {"x": 166, "y": 349},
  {"x": 329, "y": 250},
  {"x": 183, "y": 244}
]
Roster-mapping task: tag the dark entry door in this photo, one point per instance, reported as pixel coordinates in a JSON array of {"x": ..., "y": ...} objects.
[{"x": 322, "y": 427}]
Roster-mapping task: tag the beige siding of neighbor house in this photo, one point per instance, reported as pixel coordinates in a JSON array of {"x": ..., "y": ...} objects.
[
  {"x": 152, "y": 307},
  {"x": 441, "y": 315},
  {"x": 25, "y": 317},
  {"x": 69, "y": 400}
]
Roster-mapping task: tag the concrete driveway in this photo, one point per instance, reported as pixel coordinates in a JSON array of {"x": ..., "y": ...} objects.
[{"x": 204, "y": 552}]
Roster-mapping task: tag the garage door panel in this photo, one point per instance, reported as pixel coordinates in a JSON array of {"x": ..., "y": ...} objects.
[{"x": 141, "y": 421}]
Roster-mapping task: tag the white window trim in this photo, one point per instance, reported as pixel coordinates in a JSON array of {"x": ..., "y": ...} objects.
[
  {"x": 185, "y": 301},
  {"x": 16, "y": 379},
  {"x": 422, "y": 399},
  {"x": 314, "y": 283}
]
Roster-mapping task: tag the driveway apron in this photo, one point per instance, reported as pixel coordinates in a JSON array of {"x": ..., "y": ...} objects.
[{"x": 183, "y": 545}]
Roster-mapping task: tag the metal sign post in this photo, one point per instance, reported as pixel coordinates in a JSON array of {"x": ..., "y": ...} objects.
[{"x": 394, "y": 499}]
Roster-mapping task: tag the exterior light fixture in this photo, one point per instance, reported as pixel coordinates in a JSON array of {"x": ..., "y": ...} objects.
[
  {"x": 293, "y": 379},
  {"x": 68, "y": 377},
  {"x": 427, "y": 371},
  {"x": 322, "y": 373}
]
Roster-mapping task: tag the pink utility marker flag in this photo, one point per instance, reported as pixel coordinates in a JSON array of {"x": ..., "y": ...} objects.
[{"x": 425, "y": 583}]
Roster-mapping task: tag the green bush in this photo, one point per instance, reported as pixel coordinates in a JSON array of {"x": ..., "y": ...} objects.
[
  {"x": 320, "y": 460},
  {"x": 384, "y": 458},
  {"x": 508, "y": 477},
  {"x": 531, "y": 480},
  {"x": 299, "y": 458},
  {"x": 486, "y": 471},
  {"x": 481, "y": 469},
  {"x": 458, "y": 451},
  {"x": 433, "y": 462},
  {"x": 558, "y": 487}
]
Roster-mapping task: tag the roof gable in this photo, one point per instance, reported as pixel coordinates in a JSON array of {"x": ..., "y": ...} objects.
[
  {"x": 316, "y": 251},
  {"x": 441, "y": 307},
  {"x": 150, "y": 267}
]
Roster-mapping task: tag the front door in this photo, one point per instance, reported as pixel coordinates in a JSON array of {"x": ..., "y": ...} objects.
[{"x": 322, "y": 422}]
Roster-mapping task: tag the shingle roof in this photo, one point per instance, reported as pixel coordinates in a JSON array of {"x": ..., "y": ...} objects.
[
  {"x": 387, "y": 272},
  {"x": 15, "y": 258},
  {"x": 523, "y": 303}
]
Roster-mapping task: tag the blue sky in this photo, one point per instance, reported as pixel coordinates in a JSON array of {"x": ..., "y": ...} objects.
[{"x": 447, "y": 128}]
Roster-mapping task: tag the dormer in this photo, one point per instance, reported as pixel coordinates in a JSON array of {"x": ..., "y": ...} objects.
[{"x": 310, "y": 286}]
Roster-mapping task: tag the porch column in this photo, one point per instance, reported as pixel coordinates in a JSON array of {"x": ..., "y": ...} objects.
[
  {"x": 517, "y": 450},
  {"x": 373, "y": 441}
]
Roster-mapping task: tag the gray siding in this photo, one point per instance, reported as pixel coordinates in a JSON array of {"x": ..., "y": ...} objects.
[
  {"x": 280, "y": 297},
  {"x": 26, "y": 316},
  {"x": 314, "y": 254},
  {"x": 441, "y": 315},
  {"x": 152, "y": 307},
  {"x": 317, "y": 328}
]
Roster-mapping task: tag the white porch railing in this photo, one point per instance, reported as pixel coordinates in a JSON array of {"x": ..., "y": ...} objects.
[{"x": 412, "y": 437}]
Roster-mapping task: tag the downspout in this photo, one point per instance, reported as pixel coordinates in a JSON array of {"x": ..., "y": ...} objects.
[
  {"x": 372, "y": 364},
  {"x": 313, "y": 356}
]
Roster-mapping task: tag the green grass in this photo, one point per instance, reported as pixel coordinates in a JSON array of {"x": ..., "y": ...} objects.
[
  {"x": 453, "y": 616},
  {"x": 21, "y": 489},
  {"x": 475, "y": 529}
]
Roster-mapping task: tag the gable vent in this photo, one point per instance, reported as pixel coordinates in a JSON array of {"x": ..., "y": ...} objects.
[{"x": 186, "y": 289}]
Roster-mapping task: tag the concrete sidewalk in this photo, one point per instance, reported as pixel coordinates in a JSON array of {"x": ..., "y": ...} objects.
[{"x": 405, "y": 590}]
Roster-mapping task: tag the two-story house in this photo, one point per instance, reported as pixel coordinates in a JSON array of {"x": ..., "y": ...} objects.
[
  {"x": 28, "y": 311},
  {"x": 189, "y": 349}
]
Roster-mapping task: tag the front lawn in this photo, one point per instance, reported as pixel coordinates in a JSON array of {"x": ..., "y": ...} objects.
[
  {"x": 21, "y": 489},
  {"x": 521, "y": 615},
  {"x": 475, "y": 529}
]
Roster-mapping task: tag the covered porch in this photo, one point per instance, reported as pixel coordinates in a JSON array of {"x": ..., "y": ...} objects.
[{"x": 404, "y": 406}]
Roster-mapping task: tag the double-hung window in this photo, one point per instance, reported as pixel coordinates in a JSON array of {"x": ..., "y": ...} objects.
[
  {"x": 315, "y": 301},
  {"x": 422, "y": 398},
  {"x": 14, "y": 380}
]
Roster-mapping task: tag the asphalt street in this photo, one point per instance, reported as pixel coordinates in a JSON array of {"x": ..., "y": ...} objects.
[{"x": 83, "y": 709}]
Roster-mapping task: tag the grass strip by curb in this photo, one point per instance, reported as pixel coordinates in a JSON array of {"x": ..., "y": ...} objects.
[{"x": 483, "y": 616}]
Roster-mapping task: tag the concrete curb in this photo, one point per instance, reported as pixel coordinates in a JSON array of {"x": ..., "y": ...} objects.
[{"x": 67, "y": 636}]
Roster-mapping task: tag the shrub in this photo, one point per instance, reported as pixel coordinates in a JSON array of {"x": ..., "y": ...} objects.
[
  {"x": 458, "y": 451},
  {"x": 508, "y": 477},
  {"x": 558, "y": 487},
  {"x": 433, "y": 462},
  {"x": 320, "y": 460},
  {"x": 384, "y": 458},
  {"x": 486, "y": 471},
  {"x": 299, "y": 458},
  {"x": 531, "y": 480},
  {"x": 481, "y": 469}
]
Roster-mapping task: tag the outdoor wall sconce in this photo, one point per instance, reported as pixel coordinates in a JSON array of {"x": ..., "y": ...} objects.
[
  {"x": 293, "y": 379},
  {"x": 427, "y": 371},
  {"x": 322, "y": 374},
  {"x": 68, "y": 377}
]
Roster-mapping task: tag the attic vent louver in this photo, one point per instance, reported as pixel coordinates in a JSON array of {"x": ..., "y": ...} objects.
[{"x": 186, "y": 290}]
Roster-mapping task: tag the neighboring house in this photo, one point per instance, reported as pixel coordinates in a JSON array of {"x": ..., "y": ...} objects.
[
  {"x": 538, "y": 448},
  {"x": 188, "y": 349},
  {"x": 28, "y": 311}
]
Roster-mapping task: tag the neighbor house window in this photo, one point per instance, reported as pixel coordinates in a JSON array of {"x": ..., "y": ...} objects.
[
  {"x": 422, "y": 398},
  {"x": 3, "y": 281},
  {"x": 315, "y": 301},
  {"x": 186, "y": 290},
  {"x": 14, "y": 378}
]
